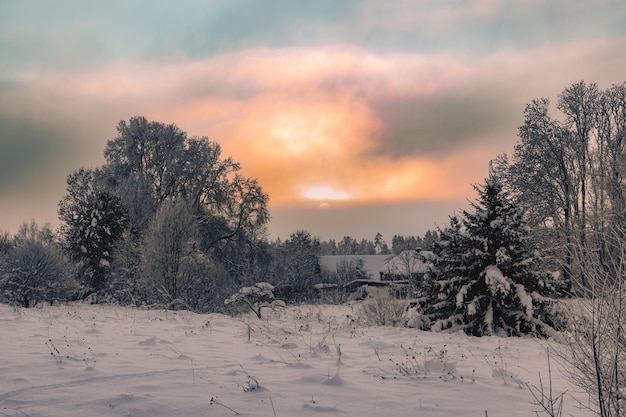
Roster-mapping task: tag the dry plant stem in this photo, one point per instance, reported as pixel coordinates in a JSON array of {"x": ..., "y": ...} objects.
[
  {"x": 273, "y": 409},
  {"x": 216, "y": 400},
  {"x": 547, "y": 403}
]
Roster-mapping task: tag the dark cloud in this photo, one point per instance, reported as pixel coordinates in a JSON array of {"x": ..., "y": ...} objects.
[
  {"x": 480, "y": 26},
  {"x": 364, "y": 221},
  {"x": 437, "y": 124},
  {"x": 27, "y": 149},
  {"x": 32, "y": 171},
  {"x": 41, "y": 142},
  {"x": 70, "y": 34}
]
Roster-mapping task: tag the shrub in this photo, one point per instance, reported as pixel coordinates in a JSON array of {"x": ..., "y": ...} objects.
[
  {"x": 256, "y": 297},
  {"x": 381, "y": 309}
]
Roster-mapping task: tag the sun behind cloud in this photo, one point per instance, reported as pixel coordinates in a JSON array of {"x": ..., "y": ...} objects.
[{"x": 325, "y": 193}]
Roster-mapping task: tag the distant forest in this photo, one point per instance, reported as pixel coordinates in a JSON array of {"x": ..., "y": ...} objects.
[{"x": 378, "y": 246}]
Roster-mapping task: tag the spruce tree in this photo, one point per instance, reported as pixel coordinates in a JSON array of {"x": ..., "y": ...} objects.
[
  {"x": 93, "y": 221},
  {"x": 484, "y": 282},
  {"x": 446, "y": 277}
]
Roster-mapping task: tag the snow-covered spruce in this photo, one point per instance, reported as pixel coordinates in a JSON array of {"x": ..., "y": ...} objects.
[{"x": 483, "y": 281}]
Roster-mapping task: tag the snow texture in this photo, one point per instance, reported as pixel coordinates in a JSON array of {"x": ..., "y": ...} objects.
[
  {"x": 103, "y": 360},
  {"x": 496, "y": 282}
]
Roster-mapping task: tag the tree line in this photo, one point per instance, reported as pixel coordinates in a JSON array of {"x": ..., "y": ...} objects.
[{"x": 378, "y": 246}]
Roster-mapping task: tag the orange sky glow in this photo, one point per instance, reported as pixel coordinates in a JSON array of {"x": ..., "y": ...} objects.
[{"x": 355, "y": 118}]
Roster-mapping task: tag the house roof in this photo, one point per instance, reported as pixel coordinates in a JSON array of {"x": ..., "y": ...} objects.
[
  {"x": 375, "y": 264},
  {"x": 409, "y": 261}
]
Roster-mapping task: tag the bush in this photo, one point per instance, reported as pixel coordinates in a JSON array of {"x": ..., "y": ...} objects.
[
  {"x": 33, "y": 268},
  {"x": 381, "y": 309},
  {"x": 256, "y": 297}
]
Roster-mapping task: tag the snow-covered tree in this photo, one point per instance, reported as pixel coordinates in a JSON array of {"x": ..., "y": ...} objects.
[
  {"x": 33, "y": 268},
  {"x": 297, "y": 263},
  {"x": 169, "y": 247},
  {"x": 483, "y": 280},
  {"x": 446, "y": 276},
  {"x": 93, "y": 220}
]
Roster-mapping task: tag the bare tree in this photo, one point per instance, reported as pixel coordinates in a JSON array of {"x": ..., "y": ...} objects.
[
  {"x": 597, "y": 345},
  {"x": 568, "y": 172},
  {"x": 609, "y": 170}
]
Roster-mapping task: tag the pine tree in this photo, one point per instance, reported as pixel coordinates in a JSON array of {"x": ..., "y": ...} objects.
[{"x": 484, "y": 282}]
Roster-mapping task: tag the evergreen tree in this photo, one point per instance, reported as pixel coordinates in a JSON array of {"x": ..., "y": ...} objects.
[
  {"x": 297, "y": 265},
  {"x": 447, "y": 276},
  {"x": 484, "y": 282},
  {"x": 93, "y": 221}
]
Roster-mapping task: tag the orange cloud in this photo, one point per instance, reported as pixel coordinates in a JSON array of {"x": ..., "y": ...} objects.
[{"x": 303, "y": 119}]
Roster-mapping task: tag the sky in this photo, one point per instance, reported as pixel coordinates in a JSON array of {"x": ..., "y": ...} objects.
[{"x": 356, "y": 117}]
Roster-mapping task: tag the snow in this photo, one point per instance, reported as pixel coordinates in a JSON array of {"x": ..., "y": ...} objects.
[
  {"x": 103, "y": 360},
  {"x": 460, "y": 296},
  {"x": 496, "y": 281},
  {"x": 527, "y": 300}
]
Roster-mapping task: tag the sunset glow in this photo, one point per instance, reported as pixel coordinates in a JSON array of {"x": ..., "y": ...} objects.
[
  {"x": 325, "y": 193},
  {"x": 339, "y": 106}
]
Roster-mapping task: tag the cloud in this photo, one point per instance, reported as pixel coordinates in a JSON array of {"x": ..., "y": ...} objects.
[
  {"x": 478, "y": 26},
  {"x": 377, "y": 126}
]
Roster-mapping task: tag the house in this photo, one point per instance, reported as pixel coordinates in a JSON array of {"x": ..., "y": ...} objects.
[
  {"x": 366, "y": 266},
  {"x": 408, "y": 264},
  {"x": 378, "y": 270}
]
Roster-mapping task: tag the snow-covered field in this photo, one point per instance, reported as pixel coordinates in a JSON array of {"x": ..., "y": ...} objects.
[{"x": 102, "y": 360}]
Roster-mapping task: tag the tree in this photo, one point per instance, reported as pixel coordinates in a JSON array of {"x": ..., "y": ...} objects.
[
  {"x": 595, "y": 324},
  {"x": 163, "y": 164},
  {"x": 402, "y": 243},
  {"x": 34, "y": 268},
  {"x": 93, "y": 221},
  {"x": 543, "y": 179},
  {"x": 378, "y": 243},
  {"x": 297, "y": 265},
  {"x": 579, "y": 105},
  {"x": 485, "y": 282},
  {"x": 352, "y": 268},
  {"x": 168, "y": 162},
  {"x": 440, "y": 286},
  {"x": 567, "y": 172},
  {"x": 407, "y": 264},
  {"x": 169, "y": 245},
  {"x": 366, "y": 247},
  {"x": 348, "y": 246},
  {"x": 150, "y": 165},
  {"x": 430, "y": 237},
  {"x": 328, "y": 248},
  {"x": 237, "y": 234},
  {"x": 609, "y": 167}
]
